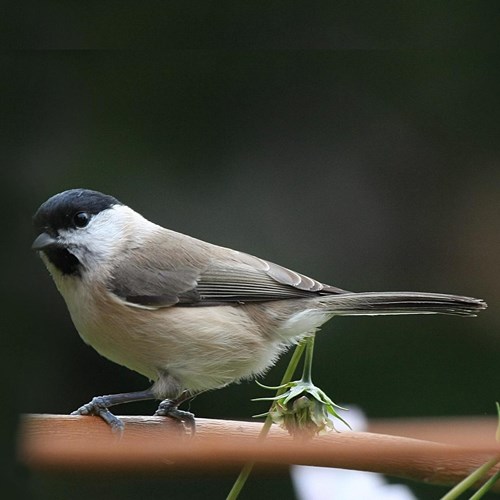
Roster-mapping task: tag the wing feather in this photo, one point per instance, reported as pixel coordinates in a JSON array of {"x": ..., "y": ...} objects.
[
  {"x": 211, "y": 278},
  {"x": 239, "y": 280}
]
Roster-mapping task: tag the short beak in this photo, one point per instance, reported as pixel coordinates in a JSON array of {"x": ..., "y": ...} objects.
[{"x": 43, "y": 241}]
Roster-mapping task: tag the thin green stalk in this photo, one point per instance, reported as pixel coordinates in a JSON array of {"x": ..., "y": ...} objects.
[
  {"x": 308, "y": 360},
  {"x": 470, "y": 480},
  {"x": 287, "y": 377},
  {"x": 478, "y": 474},
  {"x": 486, "y": 487}
]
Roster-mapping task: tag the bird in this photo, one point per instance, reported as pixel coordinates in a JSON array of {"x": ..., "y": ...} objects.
[{"x": 188, "y": 315}]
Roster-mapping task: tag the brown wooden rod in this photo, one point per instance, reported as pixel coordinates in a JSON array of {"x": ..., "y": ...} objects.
[
  {"x": 473, "y": 431},
  {"x": 152, "y": 444}
]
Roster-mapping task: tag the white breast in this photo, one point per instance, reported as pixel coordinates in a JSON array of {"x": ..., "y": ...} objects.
[{"x": 202, "y": 347}]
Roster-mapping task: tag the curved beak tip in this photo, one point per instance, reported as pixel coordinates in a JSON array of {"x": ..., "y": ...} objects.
[{"x": 43, "y": 241}]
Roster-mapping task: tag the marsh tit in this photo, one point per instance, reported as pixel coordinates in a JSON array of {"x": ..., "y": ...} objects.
[{"x": 188, "y": 315}]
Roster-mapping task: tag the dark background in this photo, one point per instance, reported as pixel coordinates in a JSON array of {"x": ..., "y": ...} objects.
[{"x": 367, "y": 170}]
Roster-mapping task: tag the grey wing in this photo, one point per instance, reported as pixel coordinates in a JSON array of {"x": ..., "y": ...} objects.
[
  {"x": 150, "y": 287},
  {"x": 238, "y": 279},
  {"x": 248, "y": 278}
]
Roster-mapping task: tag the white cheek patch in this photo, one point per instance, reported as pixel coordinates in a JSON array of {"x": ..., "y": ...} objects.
[{"x": 102, "y": 239}]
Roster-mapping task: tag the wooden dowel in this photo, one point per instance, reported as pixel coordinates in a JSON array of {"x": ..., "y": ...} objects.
[
  {"x": 151, "y": 444},
  {"x": 461, "y": 431}
]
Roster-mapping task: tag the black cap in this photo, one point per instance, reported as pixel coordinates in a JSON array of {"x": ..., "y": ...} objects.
[{"x": 59, "y": 210}]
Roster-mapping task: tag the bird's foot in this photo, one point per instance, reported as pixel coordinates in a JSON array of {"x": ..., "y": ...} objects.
[
  {"x": 169, "y": 408},
  {"x": 99, "y": 406}
]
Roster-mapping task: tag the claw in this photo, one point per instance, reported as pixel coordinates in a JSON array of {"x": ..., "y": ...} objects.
[
  {"x": 168, "y": 408},
  {"x": 99, "y": 407}
]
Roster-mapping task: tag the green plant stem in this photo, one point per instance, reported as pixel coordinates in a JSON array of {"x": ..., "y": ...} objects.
[
  {"x": 308, "y": 360},
  {"x": 470, "y": 480},
  {"x": 486, "y": 487},
  {"x": 287, "y": 377}
]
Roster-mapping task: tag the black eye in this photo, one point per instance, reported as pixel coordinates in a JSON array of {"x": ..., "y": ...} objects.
[{"x": 81, "y": 219}]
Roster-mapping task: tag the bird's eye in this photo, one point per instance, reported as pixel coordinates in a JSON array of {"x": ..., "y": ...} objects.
[{"x": 81, "y": 219}]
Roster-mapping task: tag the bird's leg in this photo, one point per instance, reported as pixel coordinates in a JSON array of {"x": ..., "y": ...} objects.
[
  {"x": 100, "y": 404},
  {"x": 169, "y": 408}
]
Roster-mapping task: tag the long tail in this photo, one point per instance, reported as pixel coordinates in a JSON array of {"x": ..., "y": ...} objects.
[{"x": 375, "y": 303}]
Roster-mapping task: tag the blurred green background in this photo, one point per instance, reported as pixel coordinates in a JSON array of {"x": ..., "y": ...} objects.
[{"x": 366, "y": 170}]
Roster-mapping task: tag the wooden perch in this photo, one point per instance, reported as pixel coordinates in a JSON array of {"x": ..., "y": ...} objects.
[{"x": 151, "y": 444}]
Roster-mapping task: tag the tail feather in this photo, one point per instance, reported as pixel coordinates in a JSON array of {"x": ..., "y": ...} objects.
[{"x": 378, "y": 303}]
